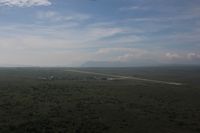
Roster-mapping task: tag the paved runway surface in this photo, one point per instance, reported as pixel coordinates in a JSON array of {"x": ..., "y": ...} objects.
[{"x": 125, "y": 77}]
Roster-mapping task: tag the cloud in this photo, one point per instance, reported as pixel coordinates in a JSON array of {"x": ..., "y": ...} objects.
[
  {"x": 55, "y": 36},
  {"x": 36, "y": 42},
  {"x": 131, "y": 8},
  {"x": 55, "y": 40},
  {"x": 101, "y": 32},
  {"x": 24, "y": 3},
  {"x": 173, "y": 56},
  {"x": 121, "y": 54},
  {"x": 131, "y": 56},
  {"x": 183, "y": 58},
  {"x": 41, "y": 51},
  {"x": 193, "y": 56},
  {"x": 54, "y": 16}
]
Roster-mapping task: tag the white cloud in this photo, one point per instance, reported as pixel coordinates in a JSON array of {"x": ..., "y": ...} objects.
[
  {"x": 25, "y": 3},
  {"x": 100, "y": 32},
  {"x": 60, "y": 44},
  {"x": 41, "y": 51},
  {"x": 66, "y": 46},
  {"x": 121, "y": 54},
  {"x": 184, "y": 58},
  {"x": 57, "y": 17},
  {"x": 131, "y": 56},
  {"x": 193, "y": 56},
  {"x": 172, "y": 56},
  {"x": 132, "y": 8}
]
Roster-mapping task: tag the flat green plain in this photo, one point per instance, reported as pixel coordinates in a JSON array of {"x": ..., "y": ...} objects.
[{"x": 53, "y": 100}]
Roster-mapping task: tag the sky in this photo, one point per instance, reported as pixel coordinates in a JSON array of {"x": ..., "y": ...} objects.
[{"x": 73, "y": 32}]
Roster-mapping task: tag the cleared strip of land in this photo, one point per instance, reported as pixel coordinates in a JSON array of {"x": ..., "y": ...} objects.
[{"x": 125, "y": 77}]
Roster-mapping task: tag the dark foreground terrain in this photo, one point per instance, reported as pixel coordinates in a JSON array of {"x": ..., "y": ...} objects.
[{"x": 51, "y": 100}]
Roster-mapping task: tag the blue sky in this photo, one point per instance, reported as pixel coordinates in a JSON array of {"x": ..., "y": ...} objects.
[{"x": 72, "y": 32}]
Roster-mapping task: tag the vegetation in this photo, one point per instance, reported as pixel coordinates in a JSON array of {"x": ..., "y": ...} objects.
[{"x": 51, "y": 100}]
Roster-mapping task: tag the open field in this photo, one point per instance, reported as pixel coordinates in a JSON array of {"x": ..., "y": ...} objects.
[{"x": 59, "y": 100}]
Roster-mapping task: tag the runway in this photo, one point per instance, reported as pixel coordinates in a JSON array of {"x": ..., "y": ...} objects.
[{"x": 125, "y": 77}]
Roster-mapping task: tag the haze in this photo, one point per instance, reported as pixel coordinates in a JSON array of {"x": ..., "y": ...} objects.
[{"x": 99, "y": 33}]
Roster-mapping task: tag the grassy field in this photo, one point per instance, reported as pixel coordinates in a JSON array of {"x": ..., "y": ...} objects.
[{"x": 52, "y": 100}]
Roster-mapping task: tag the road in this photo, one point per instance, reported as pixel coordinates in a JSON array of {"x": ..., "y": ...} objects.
[{"x": 125, "y": 77}]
